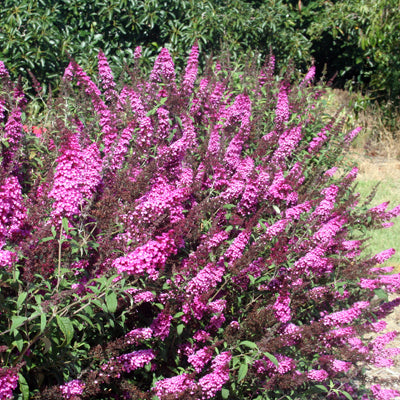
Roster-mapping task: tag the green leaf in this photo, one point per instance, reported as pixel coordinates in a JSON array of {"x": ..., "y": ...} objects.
[
  {"x": 66, "y": 328},
  {"x": 180, "y": 328},
  {"x": 111, "y": 302},
  {"x": 65, "y": 224},
  {"x": 89, "y": 311},
  {"x": 242, "y": 371},
  {"x": 381, "y": 294},
  {"x": 276, "y": 208},
  {"x": 86, "y": 319},
  {"x": 47, "y": 344},
  {"x": 38, "y": 299},
  {"x": 247, "y": 343},
  {"x": 23, "y": 386},
  {"x": 97, "y": 303},
  {"x": 18, "y": 342},
  {"x": 21, "y": 299},
  {"x": 272, "y": 358},
  {"x": 322, "y": 387},
  {"x": 17, "y": 321},
  {"x": 147, "y": 367},
  {"x": 225, "y": 393},
  {"x": 46, "y": 239},
  {"x": 346, "y": 394},
  {"x": 42, "y": 322},
  {"x": 178, "y": 314}
]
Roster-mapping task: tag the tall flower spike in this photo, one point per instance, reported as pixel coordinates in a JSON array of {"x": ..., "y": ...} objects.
[
  {"x": 121, "y": 148},
  {"x": 309, "y": 76},
  {"x": 212, "y": 383},
  {"x": 3, "y": 71},
  {"x": 164, "y": 68},
  {"x": 239, "y": 111},
  {"x": 138, "y": 52},
  {"x": 13, "y": 134},
  {"x": 267, "y": 73},
  {"x": 282, "y": 112},
  {"x": 149, "y": 258},
  {"x": 77, "y": 175},
  {"x": 12, "y": 209},
  {"x": 352, "y": 135},
  {"x": 72, "y": 389},
  {"x": 235, "y": 250},
  {"x": 106, "y": 77},
  {"x": 175, "y": 385},
  {"x": 287, "y": 143},
  {"x": 8, "y": 382},
  {"x": 191, "y": 71}
]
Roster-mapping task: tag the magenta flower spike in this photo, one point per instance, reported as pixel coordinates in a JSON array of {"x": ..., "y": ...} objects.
[
  {"x": 106, "y": 77},
  {"x": 190, "y": 71},
  {"x": 3, "y": 71},
  {"x": 77, "y": 175},
  {"x": 282, "y": 112},
  {"x": 164, "y": 68}
]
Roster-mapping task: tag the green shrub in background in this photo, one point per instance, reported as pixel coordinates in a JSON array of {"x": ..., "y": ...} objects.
[
  {"x": 358, "y": 39},
  {"x": 39, "y": 35}
]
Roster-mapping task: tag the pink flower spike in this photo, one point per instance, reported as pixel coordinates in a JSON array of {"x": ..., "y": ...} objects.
[
  {"x": 281, "y": 308},
  {"x": 8, "y": 382},
  {"x": 384, "y": 394},
  {"x": 72, "y": 388},
  {"x": 318, "y": 375},
  {"x": 106, "y": 77},
  {"x": 191, "y": 71},
  {"x": 212, "y": 383},
  {"x": 136, "y": 359},
  {"x": 137, "y": 53},
  {"x": 383, "y": 256},
  {"x": 12, "y": 212},
  {"x": 282, "y": 108},
  {"x": 139, "y": 334},
  {"x": 309, "y": 76},
  {"x": 3, "y": 71},
  {"x": 173, "y": 386},
  {"x": 163, "y": 68},
  {"x": 352, "y": 135}
]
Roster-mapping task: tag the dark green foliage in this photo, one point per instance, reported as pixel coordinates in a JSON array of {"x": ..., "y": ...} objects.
[
  {"x": 358, "y": 39},
  {"x": 39, "y": 35}
]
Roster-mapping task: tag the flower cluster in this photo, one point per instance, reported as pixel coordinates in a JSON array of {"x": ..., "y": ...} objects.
[
  {"x": 212, "y": 383},
  {"x": 173, "y": 386},
  {"x": 72, "y": 388},
  {"x": 136, "y": 359},
  {"x": 149, "y": 258},
  {"x": 8, "y": 382},
  {"x": 78, "y": 173},
  {"x": 12, "y": 209}
]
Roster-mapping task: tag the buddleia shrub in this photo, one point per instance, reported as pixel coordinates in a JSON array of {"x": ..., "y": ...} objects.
[{"x": 185, "y": 238}]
